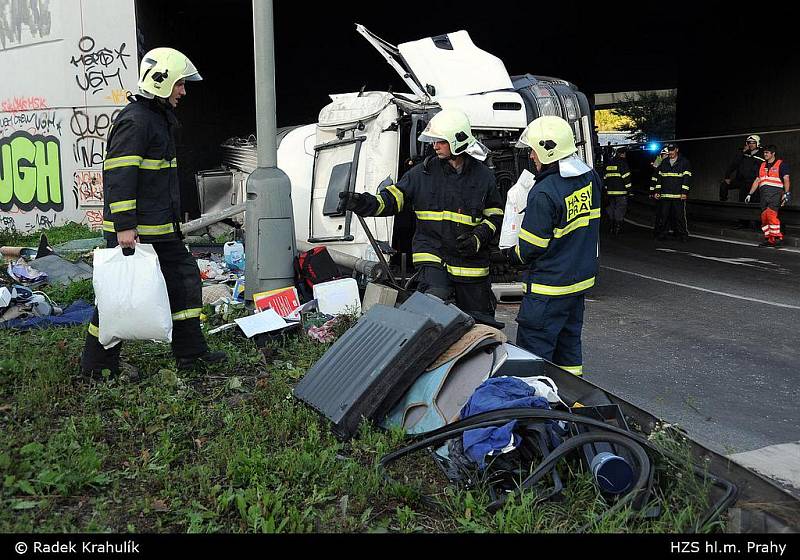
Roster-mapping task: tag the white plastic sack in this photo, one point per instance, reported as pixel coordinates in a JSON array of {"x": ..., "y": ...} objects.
[
  {"x": 516, "y": 203},
  {"x": 131, "y": 296}
]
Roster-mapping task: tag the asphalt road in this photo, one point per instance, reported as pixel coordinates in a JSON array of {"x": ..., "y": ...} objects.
[{"x": 704, "y": 334}]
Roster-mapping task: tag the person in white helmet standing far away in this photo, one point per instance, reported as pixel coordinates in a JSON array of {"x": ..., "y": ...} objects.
[
  {"x": 558, "y": 242},
  {"x": 743, "y": 170},
  {"x": 142, "y": 205},
  {"x": 458, "y": 209}
]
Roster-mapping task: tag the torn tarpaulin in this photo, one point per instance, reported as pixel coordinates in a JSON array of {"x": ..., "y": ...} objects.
[{"x": 59, "y": 270}]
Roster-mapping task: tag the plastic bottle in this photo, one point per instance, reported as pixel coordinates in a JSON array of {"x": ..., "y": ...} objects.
[{"x": 234, "y": 255}]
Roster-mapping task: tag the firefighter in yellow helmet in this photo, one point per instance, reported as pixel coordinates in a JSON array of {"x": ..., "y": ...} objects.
[
  {"x": 458, "y": 209},
  {"x": 557, "y": 243},
  {"x": 142, "y": 205}
]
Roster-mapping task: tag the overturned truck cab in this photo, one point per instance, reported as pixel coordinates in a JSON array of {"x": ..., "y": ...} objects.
[{"x": 362, "y": 138}]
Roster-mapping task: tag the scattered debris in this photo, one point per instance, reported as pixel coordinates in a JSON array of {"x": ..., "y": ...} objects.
[
  {"x": 61, "y": 271},
  {"x": 23, "y": 273}
]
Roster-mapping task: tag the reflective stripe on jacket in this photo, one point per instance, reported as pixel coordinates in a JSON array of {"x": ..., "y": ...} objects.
[
  {"x": 617, "y": 178},
  {"x": 447, "y": 205},
  {"x": 673, "y": 179},
  {"x": 559, "y": 233},
  {"x": 770, "y": 177},
  {"x": 140, "y": 175}
]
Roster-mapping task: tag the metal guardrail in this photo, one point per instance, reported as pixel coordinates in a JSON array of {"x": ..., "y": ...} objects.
[{"x": 714, "y": 210}]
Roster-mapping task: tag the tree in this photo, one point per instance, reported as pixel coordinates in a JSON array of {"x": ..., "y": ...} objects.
[
  {"x": 653, "y": 115},
  {"x": 605, "y": 120}
]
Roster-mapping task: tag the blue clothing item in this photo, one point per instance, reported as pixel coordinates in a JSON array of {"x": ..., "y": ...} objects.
[
  {"x": 551, "y": 328},
  {"x": 559, "y": 233},
  {"x": 79, "y": 313},
  {"x": 495, "y": 394}
]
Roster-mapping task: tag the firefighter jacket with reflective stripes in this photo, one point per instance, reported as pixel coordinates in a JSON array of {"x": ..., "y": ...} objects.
[
  {"x": 671, "y": 181},
  {"x": 447, "y": 205},
  {"x": 140, "y": 175},
  {"x": 745, "y": 166},
  {"x": 770, "y": 177},
  {"x": 617, "y": 179},
  {"x": 559, "y": 233}
]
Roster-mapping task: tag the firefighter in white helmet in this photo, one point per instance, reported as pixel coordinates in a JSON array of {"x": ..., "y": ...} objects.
[
  {"x": 557, "y": 243},
  {"x": 458, "y": 209},
  {"x": 743, "y": 169},
  {"x": 142, "y": 205}
]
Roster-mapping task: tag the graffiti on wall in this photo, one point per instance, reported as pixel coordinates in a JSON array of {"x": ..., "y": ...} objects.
[
  {"x": 30, "y": 172},
  {"x": 91, "y": 131},
  {"x": 99, "y": 69},
  {"x": 94, "y": 219},
  {"x": 16, "y": 104},
  {"x": 87, "y": 186},
  {"x": 25, "y": 21},
  {"x": 43, "y": 122}
]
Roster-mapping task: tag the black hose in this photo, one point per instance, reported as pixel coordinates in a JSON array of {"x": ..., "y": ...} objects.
[
  {"x": 489, "y": 419},
  {"x": 549, "y": 462}
]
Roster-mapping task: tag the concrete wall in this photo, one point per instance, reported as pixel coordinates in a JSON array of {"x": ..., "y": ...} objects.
[
  {"x": 65, "y": 71},
  {"x": 734, "y": 81}
]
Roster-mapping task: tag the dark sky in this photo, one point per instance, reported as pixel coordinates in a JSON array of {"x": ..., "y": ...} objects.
[{"x": 601, "y": 46}]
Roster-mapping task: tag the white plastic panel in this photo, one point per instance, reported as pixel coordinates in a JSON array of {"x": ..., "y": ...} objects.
[
  {"x": 462, "y": 70},
  {"x": 497, "y": 110}
]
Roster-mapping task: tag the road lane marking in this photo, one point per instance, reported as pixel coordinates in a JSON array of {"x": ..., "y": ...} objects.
[
  {"x": 726, "y": 294},
  {"x": 720, "y": 239},
  {"x": 738, "y": 261}
]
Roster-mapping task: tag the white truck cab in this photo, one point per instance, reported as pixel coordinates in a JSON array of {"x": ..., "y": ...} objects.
[{"x": 361, "y": 138}]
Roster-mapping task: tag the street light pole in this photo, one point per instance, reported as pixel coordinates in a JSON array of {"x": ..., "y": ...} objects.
[{"x": 269, "y": 225}]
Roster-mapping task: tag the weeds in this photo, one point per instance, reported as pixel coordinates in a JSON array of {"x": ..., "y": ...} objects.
[{"x": 231, "y": 450}]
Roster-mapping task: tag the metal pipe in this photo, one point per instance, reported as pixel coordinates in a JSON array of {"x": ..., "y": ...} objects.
[
  {"x": 266, "y": 112},
  {"x": 270, "y": 243},
  {"x": 207, "y": 220}
]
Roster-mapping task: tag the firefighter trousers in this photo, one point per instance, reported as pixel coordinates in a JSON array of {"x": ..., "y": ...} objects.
[
  {"x": 473, "y": 298},
  {"x": 184, "y": 289},
  {"x": 617, "y": 206},
  {"x": 671, "y": 215},
  {"x": 550, "y": 327}
]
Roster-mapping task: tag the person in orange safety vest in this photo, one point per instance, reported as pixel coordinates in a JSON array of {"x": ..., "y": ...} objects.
[{"x": 774, "y": 186}]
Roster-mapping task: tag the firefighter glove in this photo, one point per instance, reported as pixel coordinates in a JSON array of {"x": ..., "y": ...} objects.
[
  {"x": 468, "y": 244},
  {"x": 353, "y": 201},
  {"x": 787, "y": 197},
  {"x": 747, "y": 199}
]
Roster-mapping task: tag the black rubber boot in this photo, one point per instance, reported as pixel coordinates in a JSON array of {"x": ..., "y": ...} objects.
[{"x": 202, "y": 360}]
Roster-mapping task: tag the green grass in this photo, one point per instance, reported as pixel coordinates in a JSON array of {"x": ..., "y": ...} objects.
[
  {"x": 231, "y": 450},
  {"x": 55, "y": 235}
]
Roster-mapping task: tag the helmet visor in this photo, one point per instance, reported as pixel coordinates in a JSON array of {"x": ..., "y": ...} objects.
[{"x": 426, "y": 136}]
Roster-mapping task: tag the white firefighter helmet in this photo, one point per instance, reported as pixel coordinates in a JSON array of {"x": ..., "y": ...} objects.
[
  {"x": 161, "y": 68},
  {"x": 550, "y": 137},
  {"x": 754, "y": 138},
  {"x": 452, "y": 126}
]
